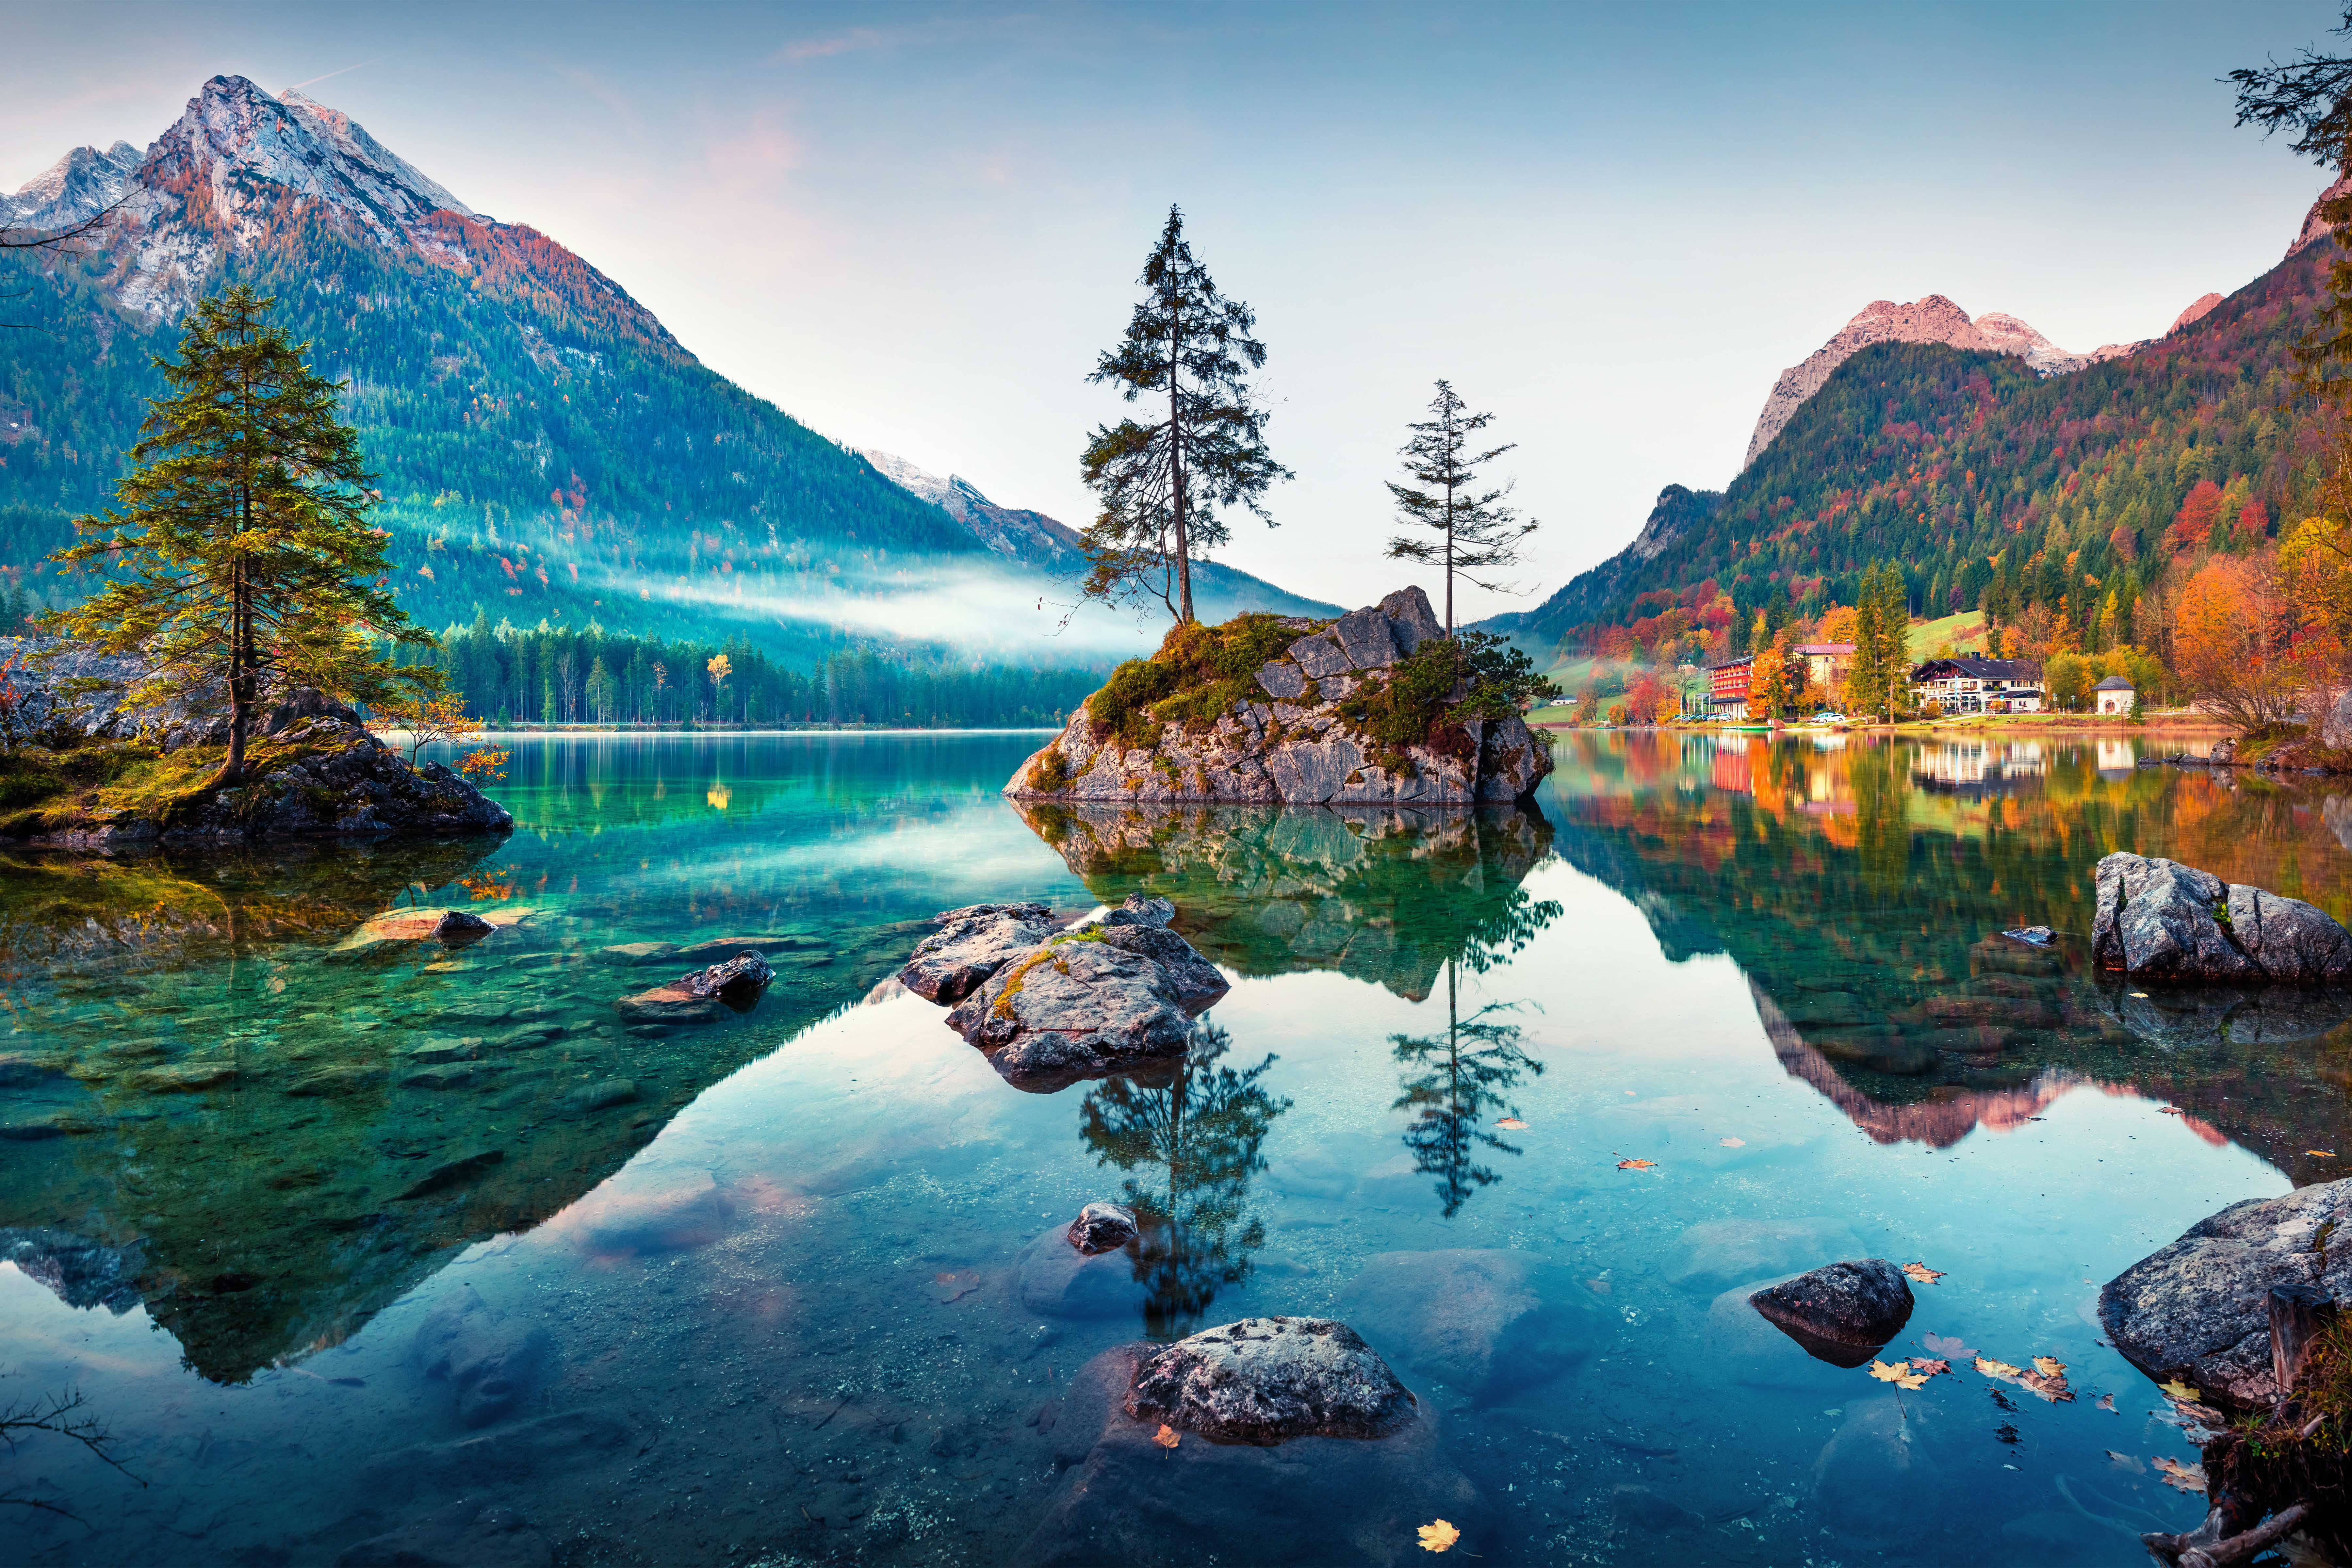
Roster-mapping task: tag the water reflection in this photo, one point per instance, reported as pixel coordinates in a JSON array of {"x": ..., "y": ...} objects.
[
  {"x": 1383, "y": 895},
  {"x": 1864, "y": 890},
  {"x": 1190, "y": 1147},
  {"x": 1456, "y": 1082}
]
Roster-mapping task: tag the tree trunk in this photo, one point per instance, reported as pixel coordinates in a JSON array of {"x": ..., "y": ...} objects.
[
  {"x": 1176, "y": 469},
  {"x": 2298, "y": 1314},
  {"x": 240, "y": 680}
]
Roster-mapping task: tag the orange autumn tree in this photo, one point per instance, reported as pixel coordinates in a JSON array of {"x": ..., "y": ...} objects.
[
  {"x": 2193, "y": 524},
  {"x": 2238, "y": 650},
  {"x": 1769, "y": 688}
]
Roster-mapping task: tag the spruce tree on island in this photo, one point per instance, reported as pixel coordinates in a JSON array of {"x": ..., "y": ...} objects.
[
  {"x": 241, "y": 565},
  {"x": 1475, "y": 532},
  {"x": 1188, "y": 351}
]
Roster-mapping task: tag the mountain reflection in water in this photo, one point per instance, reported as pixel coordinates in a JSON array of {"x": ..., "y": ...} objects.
[{"x": 1863, "y": 886}]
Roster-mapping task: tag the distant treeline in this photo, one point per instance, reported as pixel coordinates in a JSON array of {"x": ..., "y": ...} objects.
[{"x": 564, "y": 677}]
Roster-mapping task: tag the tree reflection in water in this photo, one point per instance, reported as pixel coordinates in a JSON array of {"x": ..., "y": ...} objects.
[
  {"x": 1463, "y": 1073},
  {"x": 1190, "y": 1147}
]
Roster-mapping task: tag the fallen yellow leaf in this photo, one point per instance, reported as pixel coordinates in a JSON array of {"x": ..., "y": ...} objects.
[
  {"x": 1437, "y": 1537},
  {"x": 1637, "y": 1164},
  {"x": 2049, "y": 1366},
  {"x": 2188, "y": 1478},
  {"x": 2321, "y": 1153},
  {"x": 1922, "y": 1273},
  {"x": 1899, "y": 1373},
  {"x": 2176, "y": 1389},
  {"x": 1999, "y": 1369},
  {"x": 1511, "y": 1124},
  {"x": 1166, "y": 1436},
  {"x": 1735, "y": 1142}
]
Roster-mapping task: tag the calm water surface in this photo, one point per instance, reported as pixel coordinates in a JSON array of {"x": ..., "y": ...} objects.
[{"x": 340, "y": 1241}]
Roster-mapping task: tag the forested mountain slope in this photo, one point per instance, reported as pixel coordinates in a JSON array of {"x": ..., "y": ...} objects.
[
  {"x": 1970, "y": 470},
  {"x": 546, "y": 449}
]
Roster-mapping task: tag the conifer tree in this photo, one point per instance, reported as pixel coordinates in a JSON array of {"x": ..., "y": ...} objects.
[
  {"x": 242, "y": 559},
  {"x": 1161, "y": 483},
  {"x": 1475, "y": 532}
]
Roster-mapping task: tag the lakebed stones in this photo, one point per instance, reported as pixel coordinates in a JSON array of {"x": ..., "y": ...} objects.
[
  {"x": 1054, "y": 1279},
  {"x": 1486, "y": 1323},
  {"x": 971, "y": 944},
  {"x": 1118, "y": 996},
  {"x": 1101, "y": 1227},
  {"x": 1842, "y": 1313},
  {"x": 1130, "y": 1498},
  {"x": 1285, "y": 741},
  {"x": 1717, "y": 1253},
  {"x": 2198, "y": 1309},
  {"x": 2158, "y": 920},
  {"x": 465, "y": 1535},
  {"x": 1267, "y": 1380}
]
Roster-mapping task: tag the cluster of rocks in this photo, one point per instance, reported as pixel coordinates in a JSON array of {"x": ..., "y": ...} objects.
[
  {"x": 1051, "y": 1006},
  {"x": 2158, "y": 920},
  {"x": 1288, "y": 741}
]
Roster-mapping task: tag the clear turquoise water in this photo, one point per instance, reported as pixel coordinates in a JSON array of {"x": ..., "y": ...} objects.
[{"x": 754, "y": 1292}]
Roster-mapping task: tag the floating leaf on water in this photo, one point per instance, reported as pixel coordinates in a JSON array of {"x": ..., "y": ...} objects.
[
  {"x": 2321, "y": 1153},
  {"x": 2052, "y": 1389},
  {"x": 1898, "y": 1373},
  {"x": 2107, "y": 1403},
  {"x": 1929, "y": 1366},
  {"x": 1439, "y": 1536},
  {"x": 2126, "y": 1462},
  {"x": 2188, "y": 1478},
  {"x": 2167, "y": 1111},
  {"x": 1166, "y": 1436},
  {"x": 2049, "y": 1366},
  {"x": 1511, "y": 1124},
  {"x": 1922, "y": 1273},
  {"x": 1637, "y": 1164},
  {"x": 2178, "y": 1390},
  {"x": 1946, "y": 1345},
  {"x": 1735, "y": 1142},
  {"x": 1999, "y": 1369}
]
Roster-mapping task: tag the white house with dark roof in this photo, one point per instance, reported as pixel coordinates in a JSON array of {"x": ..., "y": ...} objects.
[{"x": 2113, "y": 695}]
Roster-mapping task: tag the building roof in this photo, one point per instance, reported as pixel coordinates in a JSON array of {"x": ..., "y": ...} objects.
[
  {"x": 1734, "y": 662},
  {"x": 1824, "y": 649},
  {"x": 1971, "y": 667},
  {"x": 2113, "y": 683}
]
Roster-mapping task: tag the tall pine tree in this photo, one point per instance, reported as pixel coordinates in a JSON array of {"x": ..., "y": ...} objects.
[
  {"x": 1475, "y": 532},
  {"x": 242, "y": 564},
  {"x": 1161, "y": 483}
]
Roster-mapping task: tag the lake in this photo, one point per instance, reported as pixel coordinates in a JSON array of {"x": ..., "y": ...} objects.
[{"x": 364, "y": 1249}]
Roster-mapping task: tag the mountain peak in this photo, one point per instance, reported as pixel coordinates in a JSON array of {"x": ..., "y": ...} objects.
[{"x": 77, "y": 186}]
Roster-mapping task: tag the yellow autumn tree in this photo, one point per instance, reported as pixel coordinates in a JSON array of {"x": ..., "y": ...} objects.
[{"x": 1770, "y": 689}]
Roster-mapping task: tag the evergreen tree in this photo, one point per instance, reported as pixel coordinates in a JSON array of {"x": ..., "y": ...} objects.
[
  {"x": 246, "y": 564},
  {"x": 1475, "y": 532},
  {"x": 1160, "y": 483}
]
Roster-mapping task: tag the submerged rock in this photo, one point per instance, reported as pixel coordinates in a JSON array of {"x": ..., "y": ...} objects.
[
  {"x": 1320, "y": 1502},
  {"x": 2158, "y": 920},
  {"x": 1842, "y": 1313},
  {"x": 971, "y": 944},
  {"x": 2198, "y": 1309},
  {"x": 1485, "y": 1322},
  {"x": 1085, "y": 1003},
  {"x": 396, "y": 929},
  {"x": 1101, "y": 1227},
  {"x": 704, "y": 996},
  {"x": 491, "y": 1362},
  {"x": 737, "y": 979},
  {"x": 1267, "y": 1380},
  {"x": 1056, "y": 1280},
  {"x": 1285, "y": 738}
]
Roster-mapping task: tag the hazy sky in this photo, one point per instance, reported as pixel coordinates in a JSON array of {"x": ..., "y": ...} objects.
[{"x": 914, "y": 225}]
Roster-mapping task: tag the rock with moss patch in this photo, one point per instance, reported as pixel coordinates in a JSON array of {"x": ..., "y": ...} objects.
[
  {"x": 1088, "y": 1003},
  {"x": 2158, "y": 920},
  {"x": 1286, "y": 711},
  {"x": 971, "y": 944}
]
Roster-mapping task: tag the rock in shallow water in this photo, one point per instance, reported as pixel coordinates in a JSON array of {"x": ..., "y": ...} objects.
[
  {"x": 1087, "y": 1004},
  {"x": 1101, "y": 1227},
  {"x": 2198, "y": 1309},
  {"x": 1267, "y": 1380},
  {"x": 1486, "y": 1321},
  {"x": 971, "y": 944},
  {"x": 1843, "y": 1313},
  {"x": 463, "y": 1535},
  {"x": 2158, "y": 920}
]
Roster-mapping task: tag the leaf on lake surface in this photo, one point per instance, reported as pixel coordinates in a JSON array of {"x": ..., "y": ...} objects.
[
  {"x": 1898, "y": 1373},
  {"x": 2126, "y": 1462},
  {"x": 1946, "y": 1345},
  {"x": 1735, "y": 1142},
  {"x": 2167, "y": 1111},
  {"x": 2049, "y": 1366},
  {"x": 1166, "y": 1436},
  {"x": 2107, "y": 1404},
  {"x": 1511, "y": 1124},
  {"x": 1999, "y": 1369},
  {"x": 1922, "y": 1273},
  {"x": 2321, "y": 1153},
  {"x": 1437, "y": 1537},
  {"x": 2050, "y": 1386},
  {"x": 1931, "y": 1367},
  {"x": 2188, "y": 1478},
  {"x": 1637, "y": 1164},
  {"x": 2176, "y": 1389}
]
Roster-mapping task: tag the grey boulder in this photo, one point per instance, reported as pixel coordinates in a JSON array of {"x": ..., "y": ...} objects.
[
  {"x": 1087, "y": 1004},
  {"x": 2158, "y": 920},
  {"x": 1101, "y": 1227},
  {"x": 971, "y": 944},
  {"x": 1842, "y": 1313},
  {"x": 2198, "y": 1309},
  {"x": 1267, "y": 1380}
]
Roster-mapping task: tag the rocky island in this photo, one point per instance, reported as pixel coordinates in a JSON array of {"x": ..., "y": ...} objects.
[{"x": 1377, "y": 707}]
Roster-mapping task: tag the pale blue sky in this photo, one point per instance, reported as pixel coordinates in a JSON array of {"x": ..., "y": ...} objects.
[{"x": 913, "y": 226}]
